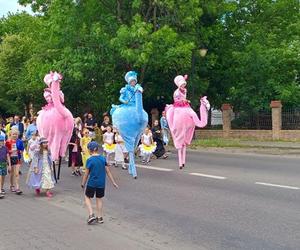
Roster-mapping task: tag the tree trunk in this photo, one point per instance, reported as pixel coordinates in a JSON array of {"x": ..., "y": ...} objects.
[
  {"x": 154, "y": 16},
  {"x": 119, "y": 14}
]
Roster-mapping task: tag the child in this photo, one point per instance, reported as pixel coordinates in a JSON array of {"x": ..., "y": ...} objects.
[
  {"x": 157, "y": 137},
  {"x": 15, "y": 147},
  {"x": 96, "y": 170},
  {"x": 74, "y": 153},
  {"x": 120, "y": 151},
  {"x": 147, "y": 147},
  {"x": 33, "y": 145},
  {"x": 109, "y": 146},
  {"x": 41, "y": 176},
  {"x": 84, "y": 141},
  {"x": 4, "y": 159}
]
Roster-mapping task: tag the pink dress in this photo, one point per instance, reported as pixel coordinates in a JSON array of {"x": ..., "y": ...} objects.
[{"x": 179, "y": 97}]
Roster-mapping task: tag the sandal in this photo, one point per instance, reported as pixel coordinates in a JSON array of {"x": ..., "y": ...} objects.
[
  {"x": 12, "y": 189},
  {"x": 18, "y": 192}
]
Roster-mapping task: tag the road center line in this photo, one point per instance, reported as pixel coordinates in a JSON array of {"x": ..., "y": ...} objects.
[
  {"x": 209, "y": 176},
  {"x": 276, "y": 185},
  {"x": 155, "y": 168}
]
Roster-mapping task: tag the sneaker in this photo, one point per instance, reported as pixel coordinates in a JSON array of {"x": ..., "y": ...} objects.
[
  {"x": 148, "y": 162},
  {"x": 124, "y": 167},
  {"x": 100, "y": 220},
  {"x": 78, "y": 172},
  {"x": 91, "y": 219},
  {"x": 143, "y": 162},
  {"x": 18, "y": 192},
  {"x": 3, "y": 191},
  {"x": 1, "y": 196},
  {"x": 74, "y": 174}
]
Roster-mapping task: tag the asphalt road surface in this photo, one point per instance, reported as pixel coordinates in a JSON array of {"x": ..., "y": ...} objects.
[{"x": 220, "y": 201}]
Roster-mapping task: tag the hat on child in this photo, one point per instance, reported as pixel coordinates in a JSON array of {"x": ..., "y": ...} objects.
[
  {"x": 2, "y": 138},
  {"x": 43, "y": 140},
  {"x": 93, "y": 146},
  {"x": 180, "y": 80}
]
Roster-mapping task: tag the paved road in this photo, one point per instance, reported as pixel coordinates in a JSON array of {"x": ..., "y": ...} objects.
[{"x": 220, "y": 201}]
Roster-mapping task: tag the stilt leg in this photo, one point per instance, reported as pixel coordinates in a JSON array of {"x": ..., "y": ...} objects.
[
  {"x": 54, "y": 172},
  {"x": 132, "y": 168},
  {"x": 183, "y": 155},
  {"x": 180, "y": 157},
  {"x": 59, "y": 165}
]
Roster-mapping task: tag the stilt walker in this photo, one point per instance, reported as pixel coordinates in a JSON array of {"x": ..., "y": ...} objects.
[
  {"x": 130, "y": 118},
  {"x": 55, "y": 122},
  {"x": 182, "y": 119}
]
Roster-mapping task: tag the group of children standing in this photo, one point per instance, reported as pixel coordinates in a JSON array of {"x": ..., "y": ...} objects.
[{"x": 39, "y": 174}]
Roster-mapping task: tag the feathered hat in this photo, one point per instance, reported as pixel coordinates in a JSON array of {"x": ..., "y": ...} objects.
[
  {"x": 52, "y": 76},
  {"x": 180, "y": 80},
  {"x": 131, "y": 75}
]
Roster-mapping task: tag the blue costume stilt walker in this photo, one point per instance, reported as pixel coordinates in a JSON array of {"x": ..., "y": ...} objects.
[{"x": 130, "y": 118}]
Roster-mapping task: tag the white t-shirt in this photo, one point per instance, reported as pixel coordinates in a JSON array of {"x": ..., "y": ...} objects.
[
  {"x": 109, "y": 137},
  {"x": 147, "y": 138}
]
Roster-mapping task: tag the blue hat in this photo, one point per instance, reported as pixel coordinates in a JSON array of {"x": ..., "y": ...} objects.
[
  {"x": 131, "y": 75},
  {"x": 2, "y": 138},
  {"x": 93, "y": 146}
]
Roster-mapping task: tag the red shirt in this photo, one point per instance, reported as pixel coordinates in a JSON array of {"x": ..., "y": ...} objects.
[{"x": 12, "y": 147}]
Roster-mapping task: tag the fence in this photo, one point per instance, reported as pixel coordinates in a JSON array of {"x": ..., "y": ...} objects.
[
  {"x": 270, "y": 124},
  {"x": 252, "y": 120},
  {"x": 290, "y": 118}
]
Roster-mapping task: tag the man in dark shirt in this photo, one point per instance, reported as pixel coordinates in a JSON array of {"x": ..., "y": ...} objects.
[{"x": 91, "y": 124}]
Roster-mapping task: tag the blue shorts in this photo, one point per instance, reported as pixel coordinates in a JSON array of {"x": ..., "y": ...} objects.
[{"x": 3, "y": 169}]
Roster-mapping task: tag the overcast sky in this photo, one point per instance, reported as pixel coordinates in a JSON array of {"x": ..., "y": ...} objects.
[{"x": 11, "y": 6}]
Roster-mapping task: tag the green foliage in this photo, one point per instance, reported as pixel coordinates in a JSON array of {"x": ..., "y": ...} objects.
[{"x": 253, "y": 51}]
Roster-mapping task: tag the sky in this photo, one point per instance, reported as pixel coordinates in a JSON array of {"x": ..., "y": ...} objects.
[{"x": 11, "y": 6}]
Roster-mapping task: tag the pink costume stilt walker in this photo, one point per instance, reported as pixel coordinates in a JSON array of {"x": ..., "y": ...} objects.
[
  {"x": 55, "y": 122},
  {"x": 182, "y": 119}
]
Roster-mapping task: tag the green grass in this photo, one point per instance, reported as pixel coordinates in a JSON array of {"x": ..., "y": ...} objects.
[
  {"x": 233, "y": 143},
  {"x": 217, "y": 142}
]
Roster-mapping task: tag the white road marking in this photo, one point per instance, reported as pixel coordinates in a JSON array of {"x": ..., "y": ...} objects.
[
  {"x": 276, "y": 185},
  {"x": 209, "y": 176},
  {"x": 155, "y": 168}
]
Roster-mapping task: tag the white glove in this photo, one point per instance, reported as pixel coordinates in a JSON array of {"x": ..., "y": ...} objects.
[{"x": 205, "y": 102}]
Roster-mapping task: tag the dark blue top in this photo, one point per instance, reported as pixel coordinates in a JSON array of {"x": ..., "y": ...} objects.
[{"x": 96, "y": 165}]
